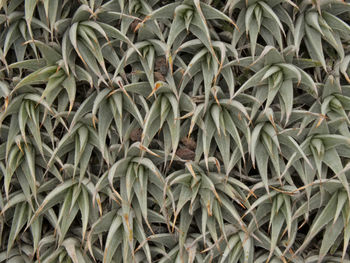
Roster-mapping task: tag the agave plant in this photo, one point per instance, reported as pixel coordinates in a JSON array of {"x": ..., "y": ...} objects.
[
  {"x": 318, "y": 22},
  {"x": 264, "y": 18},
  {"x": 174, "y": 131}
]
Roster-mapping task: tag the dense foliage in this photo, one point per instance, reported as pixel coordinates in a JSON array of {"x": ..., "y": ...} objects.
[{"x": 174, "y": 131}]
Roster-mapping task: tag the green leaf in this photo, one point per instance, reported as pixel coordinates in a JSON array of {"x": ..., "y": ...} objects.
[
  {"x": 19, "y": 219},
  {"x": 39, "y": 76},
  {"x": 320, "y": 221},
  {"x": 84, "y": 206},
  {"x": 314, "y": 45}
]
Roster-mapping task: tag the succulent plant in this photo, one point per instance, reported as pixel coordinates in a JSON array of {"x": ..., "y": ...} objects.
[{"x": 174, "y": 131}]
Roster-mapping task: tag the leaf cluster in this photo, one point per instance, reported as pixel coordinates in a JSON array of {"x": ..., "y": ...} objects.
[{"x": 174, "y": 131}]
